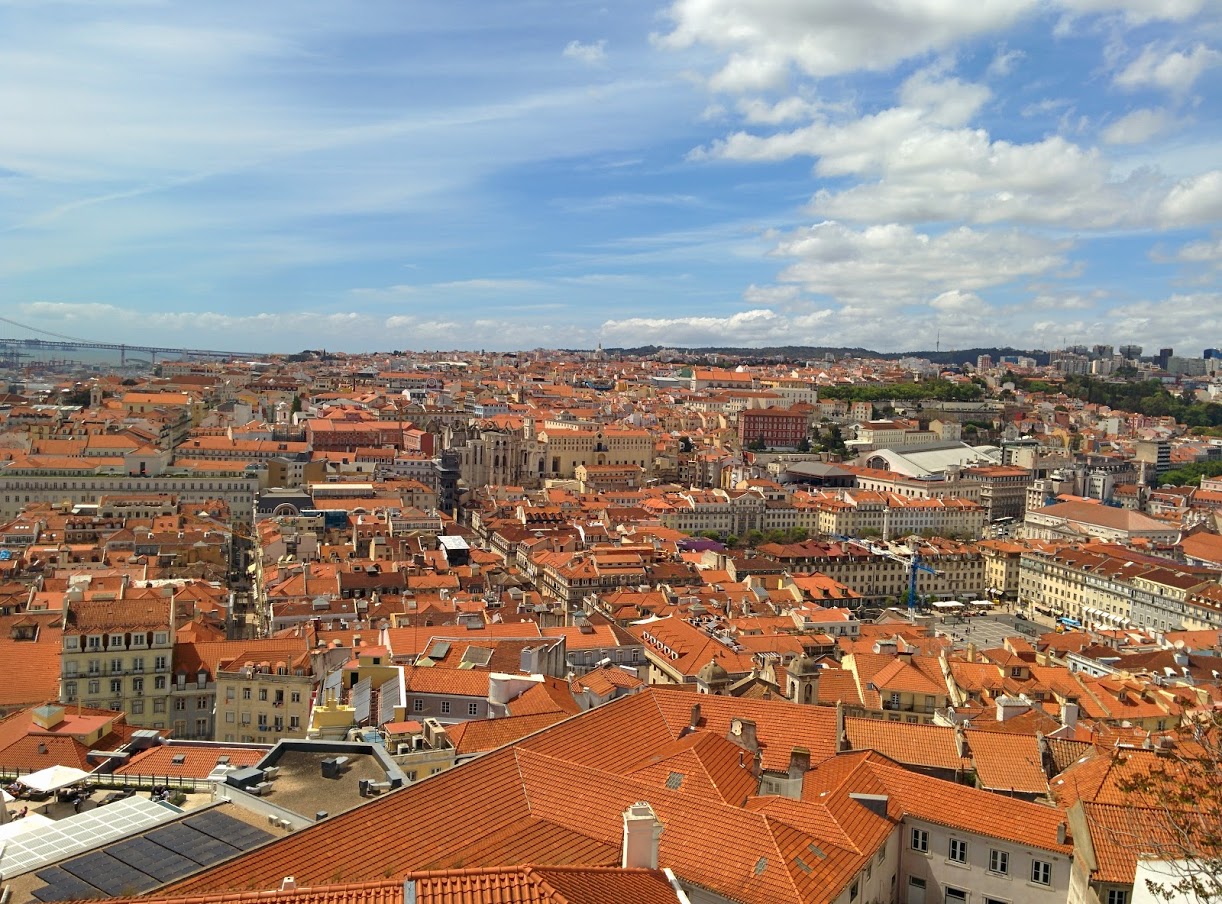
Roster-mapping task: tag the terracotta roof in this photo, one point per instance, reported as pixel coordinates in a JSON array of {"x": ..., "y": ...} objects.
[
  {"x": 197, "y": 761},
  {"x": 377, "y": 892},
  {"x": 1006, "y": 762},
  {"x": 481, "y": 735},
  {"x": 543, "y": 885},
  {"x": 923, "y": 746}
]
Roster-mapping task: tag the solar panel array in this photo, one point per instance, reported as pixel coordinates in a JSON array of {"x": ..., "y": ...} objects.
[
  {"x": 360, "y": 700},
  {"x": 141, "y": 864},
  {"x": 82, "y": 832},
  {"x": 389, "y": 696}
]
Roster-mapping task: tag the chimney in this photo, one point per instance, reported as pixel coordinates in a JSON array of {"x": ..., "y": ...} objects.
[
  {"x": 799, "y": 762},
  {"x": 695, "y": 723},
  {"x": 971, "y": 652},
  {"x": 1069, "y": 715},
  {"x": 960, "y": 740},
  {"x": 742, "y": 733},
  {"x": 842, "y": 735},
  {"x": 642, "y": 832},
  {"x": 1061, "y": 833}
]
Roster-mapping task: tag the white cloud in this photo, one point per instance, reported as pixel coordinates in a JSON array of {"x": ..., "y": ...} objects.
[
  {"x": 789, "y": 109},
  {"x": 941, "y": 100},
  {"x": 590, "y": 54},
  {"x": 764, "y": 39},
  {"x": 1169, "y": 321},
  {"x": 1202, "y": 252},
  {"x": 958, "y": 302},
  {"x": 1139, "y": 126},
  {"x": 1003, "y": 62},
  {"x": 1170, "y": 70},
  {"x": 1140, "y": 11},
  {"x": 896, "y": 265},
  {"x": 1194, "y": 201}
]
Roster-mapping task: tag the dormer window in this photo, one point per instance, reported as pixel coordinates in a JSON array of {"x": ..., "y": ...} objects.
[
  {"x": 161, "y": 638},
  {"x": 95, "y": 642},
  {"x": 117, "y": 640}
]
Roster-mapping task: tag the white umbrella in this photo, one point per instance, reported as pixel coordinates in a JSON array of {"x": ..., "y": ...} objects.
[{"x": 52, "y": 778}]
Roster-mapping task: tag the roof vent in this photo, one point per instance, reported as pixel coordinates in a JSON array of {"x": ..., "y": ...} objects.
[{"x": 288, "y": 883}]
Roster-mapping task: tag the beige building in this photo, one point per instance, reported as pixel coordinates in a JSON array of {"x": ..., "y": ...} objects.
[
  {"x": 260, "y": 701},
  {"x": 117, "y": 655},
  {"x": 566, "y": 449}
]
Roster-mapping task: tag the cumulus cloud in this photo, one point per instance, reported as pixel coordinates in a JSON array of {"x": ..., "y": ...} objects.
[
  {"x": 1138, "y": 126},
  {"x": 895, "y": 264},
  {"x": 591, "y": 54},
  {"x": 765, "y": 40},
  {"x": 1175, "y": 71},
  {"x": 1169, "y": 320},
  {"x": 1194, "y": 201}
]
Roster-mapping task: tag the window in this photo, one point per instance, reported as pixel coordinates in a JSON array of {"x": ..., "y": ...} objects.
[
  {"x": 245, "y": 693},
  {"x": 161, "y": 640},
  {"x": 1118, "y": 896},
  {"x": 137, "y": 685},
  {"x": 229, "y": 717},
  {"x": 138, "y": 664},
  {"x": 1041, "y": 872},
  {"x": 95, "y": 687},
  {"x": 116, "y": 665},
  {"x": 295, "y": 697},
  {"x": 116, "y": 685},
  {"x": 180, "y": 704},
  {"x": 294, "y": 723},
  {"x": 70, "y": 689},
  {"x": 417, "y": 706},
  {"x": 137, "y": 707},
  {"x": 999, "y": 862},
  {"x": 445, "y": 707},
  {"x": 920, "y": 840},
  {"x": 855, "y": 890},
  {"x": 955, "y": 895},
  {"x": 159, "y": 705},
  {"x": 472, "y": 709},
  {"x": 882, "y": 852},
  {"x": 263, "y": 694},
  {"x": 159, "y": 663},
  {"x": 958, "y": 850}
]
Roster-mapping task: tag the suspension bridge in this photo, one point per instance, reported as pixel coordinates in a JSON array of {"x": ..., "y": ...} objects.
[{"x": 47, "y": 340}]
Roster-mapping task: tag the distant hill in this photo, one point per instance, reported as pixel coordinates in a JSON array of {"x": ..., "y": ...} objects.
[{"x": 803, "y": 353}]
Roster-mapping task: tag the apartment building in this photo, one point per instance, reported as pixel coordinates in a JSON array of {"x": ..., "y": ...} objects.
[
  {"x": 773, "y": 428},
  {"x": 117, "y": 655},
  {"x": 82, "y": 482},
  {"x": 1105, "y": 588},
  {"x": 259, "y": 700}
]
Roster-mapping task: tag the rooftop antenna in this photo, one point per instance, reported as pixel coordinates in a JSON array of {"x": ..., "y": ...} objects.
[{"x": 938, "y": 343}]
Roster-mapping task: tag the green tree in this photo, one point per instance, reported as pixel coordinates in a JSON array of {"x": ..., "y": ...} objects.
[{"x": 1177, "y": 810}]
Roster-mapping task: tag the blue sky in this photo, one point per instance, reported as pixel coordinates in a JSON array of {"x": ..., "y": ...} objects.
[{"x": 507, "y": 175}]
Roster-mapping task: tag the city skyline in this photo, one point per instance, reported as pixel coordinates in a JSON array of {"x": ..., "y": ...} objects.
[{"x": 694, "y": 173}]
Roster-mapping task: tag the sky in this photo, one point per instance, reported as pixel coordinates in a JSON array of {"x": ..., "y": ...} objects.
[{"x": 518, "y": 174}]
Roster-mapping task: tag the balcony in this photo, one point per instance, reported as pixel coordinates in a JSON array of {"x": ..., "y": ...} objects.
[{"x": 898, "y": 706}]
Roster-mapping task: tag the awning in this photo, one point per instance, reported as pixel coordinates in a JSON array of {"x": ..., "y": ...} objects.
[{"x": 53, "y": 778}]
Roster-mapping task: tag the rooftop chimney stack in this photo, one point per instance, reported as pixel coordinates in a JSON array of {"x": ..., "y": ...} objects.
[
  {"x": 642, "y": 834},
  {"x": 1069, "y": 715},
  {"x": 799, "y": 762}
]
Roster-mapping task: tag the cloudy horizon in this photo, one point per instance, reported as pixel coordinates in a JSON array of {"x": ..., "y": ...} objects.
[{"x": 274, "y": 176}]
